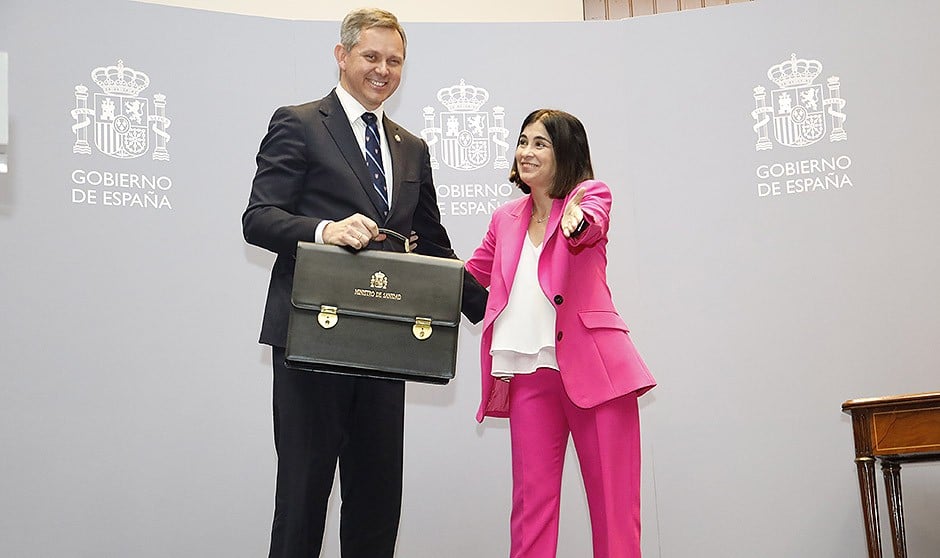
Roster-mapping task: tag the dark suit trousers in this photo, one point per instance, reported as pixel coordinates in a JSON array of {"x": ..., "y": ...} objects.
[{"x": 321, "y": 418}]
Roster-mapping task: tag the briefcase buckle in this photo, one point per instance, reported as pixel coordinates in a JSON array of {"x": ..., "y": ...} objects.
[
  {"x": 327, "y": 317},
  {"x": 422, "y": 328}
]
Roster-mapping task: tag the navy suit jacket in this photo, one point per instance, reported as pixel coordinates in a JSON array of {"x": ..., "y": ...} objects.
[{"x": 310, "y": 168}]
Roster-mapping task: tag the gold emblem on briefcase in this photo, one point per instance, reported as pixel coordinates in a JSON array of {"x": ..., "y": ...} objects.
[{"x": 379, "y": 280}]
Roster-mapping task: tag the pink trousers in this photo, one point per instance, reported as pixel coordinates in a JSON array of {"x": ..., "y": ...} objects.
[{"x": 607, "y": 440}]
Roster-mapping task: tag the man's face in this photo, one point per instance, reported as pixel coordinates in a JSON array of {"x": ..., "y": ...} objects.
[{"x": 371, "y": 70}]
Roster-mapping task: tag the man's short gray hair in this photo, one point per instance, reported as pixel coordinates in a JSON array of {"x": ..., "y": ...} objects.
[{"x": 359, "y": 20}]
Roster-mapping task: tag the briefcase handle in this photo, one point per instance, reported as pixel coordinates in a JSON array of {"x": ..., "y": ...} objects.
[{"x": 399, "y": 236}]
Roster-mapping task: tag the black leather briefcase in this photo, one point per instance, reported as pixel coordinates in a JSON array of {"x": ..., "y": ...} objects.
[{"x": 375, "y": 313}]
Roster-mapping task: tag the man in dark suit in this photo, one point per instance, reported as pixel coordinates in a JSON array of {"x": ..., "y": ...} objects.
[{"x": 325, "y": 175}]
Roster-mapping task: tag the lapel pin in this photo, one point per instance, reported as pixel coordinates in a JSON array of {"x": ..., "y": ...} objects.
[{"x": 397, "y": 138}]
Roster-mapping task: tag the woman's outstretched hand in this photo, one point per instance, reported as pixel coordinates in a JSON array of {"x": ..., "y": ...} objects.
[{"x": 572, "y": 215}]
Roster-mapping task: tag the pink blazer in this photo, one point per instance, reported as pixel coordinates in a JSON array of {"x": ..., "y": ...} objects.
[{"x": 597, "y": 359}]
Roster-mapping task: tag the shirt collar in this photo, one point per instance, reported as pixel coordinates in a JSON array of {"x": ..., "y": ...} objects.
[{"x": 354, "y": 108}]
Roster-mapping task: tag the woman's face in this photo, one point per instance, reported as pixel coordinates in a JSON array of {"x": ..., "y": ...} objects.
[{"x": 535, "y": 157}]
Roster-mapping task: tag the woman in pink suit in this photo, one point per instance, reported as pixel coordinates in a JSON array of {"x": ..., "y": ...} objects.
[{"x": 556, "y": 357}]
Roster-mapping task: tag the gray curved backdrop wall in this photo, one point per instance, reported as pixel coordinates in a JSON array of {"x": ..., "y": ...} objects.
[{"x": 774, "y": 252}]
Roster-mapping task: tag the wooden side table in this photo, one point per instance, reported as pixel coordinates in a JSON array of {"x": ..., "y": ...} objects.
[{"x": 894, "y": 430}]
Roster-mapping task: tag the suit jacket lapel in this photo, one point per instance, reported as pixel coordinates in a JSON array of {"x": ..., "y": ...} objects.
[
  {"x": 553, "y": 226},
  {"x": 515, "y": 236},
  {"x": 396, "y": 150},
  {"x": 337, "y": 124},
  {"x": 552, "y": 230}
]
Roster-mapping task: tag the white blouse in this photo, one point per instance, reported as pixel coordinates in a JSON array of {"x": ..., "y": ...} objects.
[{"x": 524, "y": 332}]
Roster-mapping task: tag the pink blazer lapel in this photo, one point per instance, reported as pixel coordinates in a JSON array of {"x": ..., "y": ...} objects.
[
  {"x": 514, "y": 236},
  {"x": 554, "y": 220},
  {"x": 552, "y": 230}
]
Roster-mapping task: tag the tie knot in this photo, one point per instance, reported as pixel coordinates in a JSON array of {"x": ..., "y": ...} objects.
[{"x": 369, "y": 118}]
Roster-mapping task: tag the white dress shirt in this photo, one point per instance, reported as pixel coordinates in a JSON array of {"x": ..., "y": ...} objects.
[{"x": 524, "y": 332}]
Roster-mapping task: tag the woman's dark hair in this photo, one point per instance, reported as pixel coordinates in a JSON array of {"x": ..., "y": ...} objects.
[{"x": 570, "y": 145}]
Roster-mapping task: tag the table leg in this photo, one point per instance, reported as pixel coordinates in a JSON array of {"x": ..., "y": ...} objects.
[
  {"x": 892, "y": 473},
  {"x": 866, "y": 487}
]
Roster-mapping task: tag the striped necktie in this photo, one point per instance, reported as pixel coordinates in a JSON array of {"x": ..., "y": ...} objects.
[{"x": 374, "y": 160}]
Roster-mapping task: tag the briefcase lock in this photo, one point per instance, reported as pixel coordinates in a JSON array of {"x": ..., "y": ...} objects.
[
  {"x": 327, "y": 317},
  {"x": 422, "y": 328}
]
